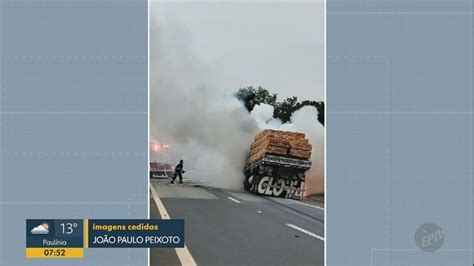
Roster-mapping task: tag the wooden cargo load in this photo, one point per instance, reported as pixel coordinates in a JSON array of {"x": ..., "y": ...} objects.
[
  {"x": 300, "y": 153},
  {"x": 280, "y": 143}
]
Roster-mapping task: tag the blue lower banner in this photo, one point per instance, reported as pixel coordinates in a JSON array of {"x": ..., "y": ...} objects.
[
  {"x": 153, "y": 233},
  {"x": 67, "y": 238}
]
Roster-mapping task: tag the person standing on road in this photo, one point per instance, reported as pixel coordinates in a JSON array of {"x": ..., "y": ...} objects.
[{"x": 178, "y": 171}]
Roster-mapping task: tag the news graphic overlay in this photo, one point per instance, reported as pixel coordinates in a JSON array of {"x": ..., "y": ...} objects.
[
  {"x": 54, "y": 238},
  {"x": 67, "y": 238},
  {"x": 145, "y": 233}
]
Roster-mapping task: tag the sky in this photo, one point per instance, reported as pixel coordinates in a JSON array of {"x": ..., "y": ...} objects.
[{"x": 279, "y": 46}]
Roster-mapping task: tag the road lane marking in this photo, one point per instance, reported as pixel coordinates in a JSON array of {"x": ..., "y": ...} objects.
[
  {"x": 184, "y": 255},
  {"x": 159, "y": 204},
  {"x": 309, "y": 205},
  {"x": 306, "y": 232},
  {"x": 234, "y": 200}
]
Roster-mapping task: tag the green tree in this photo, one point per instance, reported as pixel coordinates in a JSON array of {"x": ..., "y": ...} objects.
[
  {"x": 282, "y": 110},
  {"x": 251, "y": 97},
  {"x": 319, "y": 106},
  {"x": 247, "y": 97},
  {"x": 262, "y": 95}
]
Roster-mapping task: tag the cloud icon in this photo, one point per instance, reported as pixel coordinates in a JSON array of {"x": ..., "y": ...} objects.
[{"x": 41, "y": 229}]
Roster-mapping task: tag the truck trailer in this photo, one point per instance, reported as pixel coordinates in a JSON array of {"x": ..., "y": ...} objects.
[{"x": 277, "y": 164}]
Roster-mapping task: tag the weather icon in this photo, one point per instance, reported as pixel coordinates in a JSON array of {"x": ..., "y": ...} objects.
[{"x": 42, "y": 229}]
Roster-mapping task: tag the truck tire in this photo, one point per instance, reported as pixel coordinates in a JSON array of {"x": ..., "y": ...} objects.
[
  {"x": 246, "y": 185},
  {"x": 249, "y": 180}
]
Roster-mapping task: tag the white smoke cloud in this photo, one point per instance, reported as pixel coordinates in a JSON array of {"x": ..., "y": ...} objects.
[
  {"x": 303, "y": 120},
  {"x": 210, "y": 130},
  {"x": 263, "y": 115}
]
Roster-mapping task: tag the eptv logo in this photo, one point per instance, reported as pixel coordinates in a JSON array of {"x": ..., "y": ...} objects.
[{"x": 429, "y": 237}]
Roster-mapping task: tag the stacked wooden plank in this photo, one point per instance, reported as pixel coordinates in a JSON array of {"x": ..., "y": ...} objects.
[{"x": 281, "y": 143}]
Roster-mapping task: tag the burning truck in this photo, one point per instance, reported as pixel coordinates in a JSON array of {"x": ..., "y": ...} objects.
[{"x": 277, "y": 164}]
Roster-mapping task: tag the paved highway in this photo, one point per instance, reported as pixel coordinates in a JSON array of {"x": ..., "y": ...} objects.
[{"x": 238, "y": 228}]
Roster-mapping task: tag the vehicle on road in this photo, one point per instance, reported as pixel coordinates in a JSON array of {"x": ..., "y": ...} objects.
[
  {"x": 161, "y": 170},
  {"x": 277, "y": 164}
]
